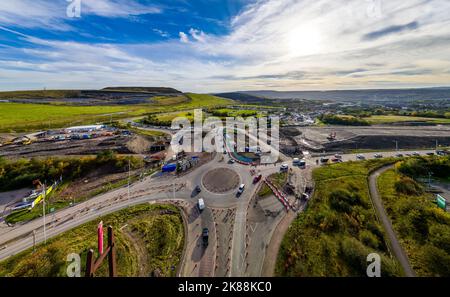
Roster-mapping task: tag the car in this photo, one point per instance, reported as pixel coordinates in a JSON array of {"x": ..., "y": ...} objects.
[
  {"x": 416, "y": 154},
  {"x": 360, "y": 157},
  {"x": 241, "y": 189},
  {"x": 336, "y": 160},
  {"x": 399, "y": 155},
  {"x": 378, "y": 156},
  {"x": 430, "y": 154},
  {"x": 197, "y": 189},
  {"x": 296, "y": 161},
  {"x": 257, "y": 179},
  {"x": 201, "y": 204},
  {"x": 284, "y": 167},
  {"x": 441, "y": 153},
  {"x": 231, "y": 161},
  {"x": 324, "y": 160},
  {"x": 205, "y": 236},
  {"x": 302, "y": 163},
  {"x": 337, "y": 156}
]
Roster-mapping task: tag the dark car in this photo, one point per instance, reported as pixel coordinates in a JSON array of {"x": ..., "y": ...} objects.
[
  {"x": 257, "y": 179},
  {"x": 205, "y": 236},
  {"x": 196, "y": 191}
]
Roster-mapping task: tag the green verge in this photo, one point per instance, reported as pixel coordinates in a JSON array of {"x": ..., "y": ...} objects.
[
  {"x": 339, "y": 229},
  {"x": 422, "y": 228},
  {"x": 159, "y": 238}
]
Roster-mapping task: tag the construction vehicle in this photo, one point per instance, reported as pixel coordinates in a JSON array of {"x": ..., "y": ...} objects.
[{"x": 332, "y": 136}]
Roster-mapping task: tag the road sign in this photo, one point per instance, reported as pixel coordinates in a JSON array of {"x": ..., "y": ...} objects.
[{"x": 441, "y": 202}]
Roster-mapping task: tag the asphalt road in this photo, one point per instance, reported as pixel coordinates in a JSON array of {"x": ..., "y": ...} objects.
[
  {"x": 19, "y": 238},
  {"x": 395, "y": 246}
]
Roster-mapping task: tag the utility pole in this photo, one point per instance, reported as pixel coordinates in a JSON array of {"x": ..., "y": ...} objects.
[
  {"x": 396, "y": 145},
  {"x": 129, "y": 175},
  {"x": 43, "y": 211},
  {"x": 437, "y": 144}
]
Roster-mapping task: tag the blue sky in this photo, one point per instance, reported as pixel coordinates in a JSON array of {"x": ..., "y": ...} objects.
[{"x": 225, "y": 45}]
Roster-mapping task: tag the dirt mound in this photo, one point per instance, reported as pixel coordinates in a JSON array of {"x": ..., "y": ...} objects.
[{"x": 138, "y": 145}]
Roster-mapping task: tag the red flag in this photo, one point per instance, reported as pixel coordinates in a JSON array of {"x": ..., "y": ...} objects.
[{"x": 100, "y": 237}]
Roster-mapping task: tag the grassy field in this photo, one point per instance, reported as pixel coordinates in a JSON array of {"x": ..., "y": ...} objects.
[
  {"x": 17, "y": 117},
  {"x": 339, "y": 229},
  {"x": 422, "y": 228},
  {"x": 149, "y": 238},
  {"x": 227, "y": 112},
  {"x": 389, "y": 119}
]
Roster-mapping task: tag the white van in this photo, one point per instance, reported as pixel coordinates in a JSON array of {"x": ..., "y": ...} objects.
[{"x": 201, "y": 204}]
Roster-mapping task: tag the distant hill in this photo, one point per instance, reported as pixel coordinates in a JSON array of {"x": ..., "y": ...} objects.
[
  {"x": 239, "y": 97},
  {"x": 159, "y": 90},
  {"x": 357, "y": 95}
]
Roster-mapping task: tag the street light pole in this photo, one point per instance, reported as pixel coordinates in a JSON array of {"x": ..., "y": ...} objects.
[
  {"x": 43, "y": 211},
  {"x": 129, "y": 175}
]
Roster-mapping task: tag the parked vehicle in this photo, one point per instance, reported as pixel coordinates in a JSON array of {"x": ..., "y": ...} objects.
[
  {"x": 360, "y": 157},
  {"x": 324, "y": 160},
  {"x": 416, "y": 154},
  {"x": 378, "y": 156},
  {"x": 441, "y": 153},
  {"x": 231, "y": 161},
  {"x": 399, "y": 155},
  {"x": 284, "y": 167}
]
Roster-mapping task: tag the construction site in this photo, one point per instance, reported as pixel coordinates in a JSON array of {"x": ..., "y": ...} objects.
[
  {"x": 80, "y": 140},
  {"x": 294, "y": 140}
]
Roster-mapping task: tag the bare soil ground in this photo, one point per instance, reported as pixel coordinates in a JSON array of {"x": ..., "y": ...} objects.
[
  {"x": 122, "y": 144},
  {"x": 221, "y": 180}
]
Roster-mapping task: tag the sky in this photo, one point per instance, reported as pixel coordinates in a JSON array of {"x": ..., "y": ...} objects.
[{"x": 224, "y": 45}]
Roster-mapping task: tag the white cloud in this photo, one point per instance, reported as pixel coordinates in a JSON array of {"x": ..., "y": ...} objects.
[
  {"x": 197, "y": 35},
  {"x": 184, "y": 37},
  {"x": 51, "y": 14},
  {"x": 281, "y": 44}
]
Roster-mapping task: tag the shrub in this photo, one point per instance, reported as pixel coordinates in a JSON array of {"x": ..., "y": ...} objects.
[{"x": 408, "y": 186}]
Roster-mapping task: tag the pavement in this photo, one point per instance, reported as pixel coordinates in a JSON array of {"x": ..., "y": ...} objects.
[{"x": 395, "y": 247}]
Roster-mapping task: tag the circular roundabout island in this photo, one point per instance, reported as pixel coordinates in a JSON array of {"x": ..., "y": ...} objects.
[{"x": 221, "y": 180}]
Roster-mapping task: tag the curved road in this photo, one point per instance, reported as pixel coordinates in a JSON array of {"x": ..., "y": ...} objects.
[{"x": 395, "y": 246}]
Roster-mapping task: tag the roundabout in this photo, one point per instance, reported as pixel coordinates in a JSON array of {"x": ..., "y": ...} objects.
[{"x": 221, "y": 180}]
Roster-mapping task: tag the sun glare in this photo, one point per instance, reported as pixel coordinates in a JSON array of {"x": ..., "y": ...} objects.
[{"x": 303, "y": 41}]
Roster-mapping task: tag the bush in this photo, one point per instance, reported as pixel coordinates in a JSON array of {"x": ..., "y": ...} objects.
[
  {"x": 437, "y": 260},
  {"x": 408, "y": 186},
  {"x": 342, "y": 200},
  {"x": 369, "y": 239}
]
